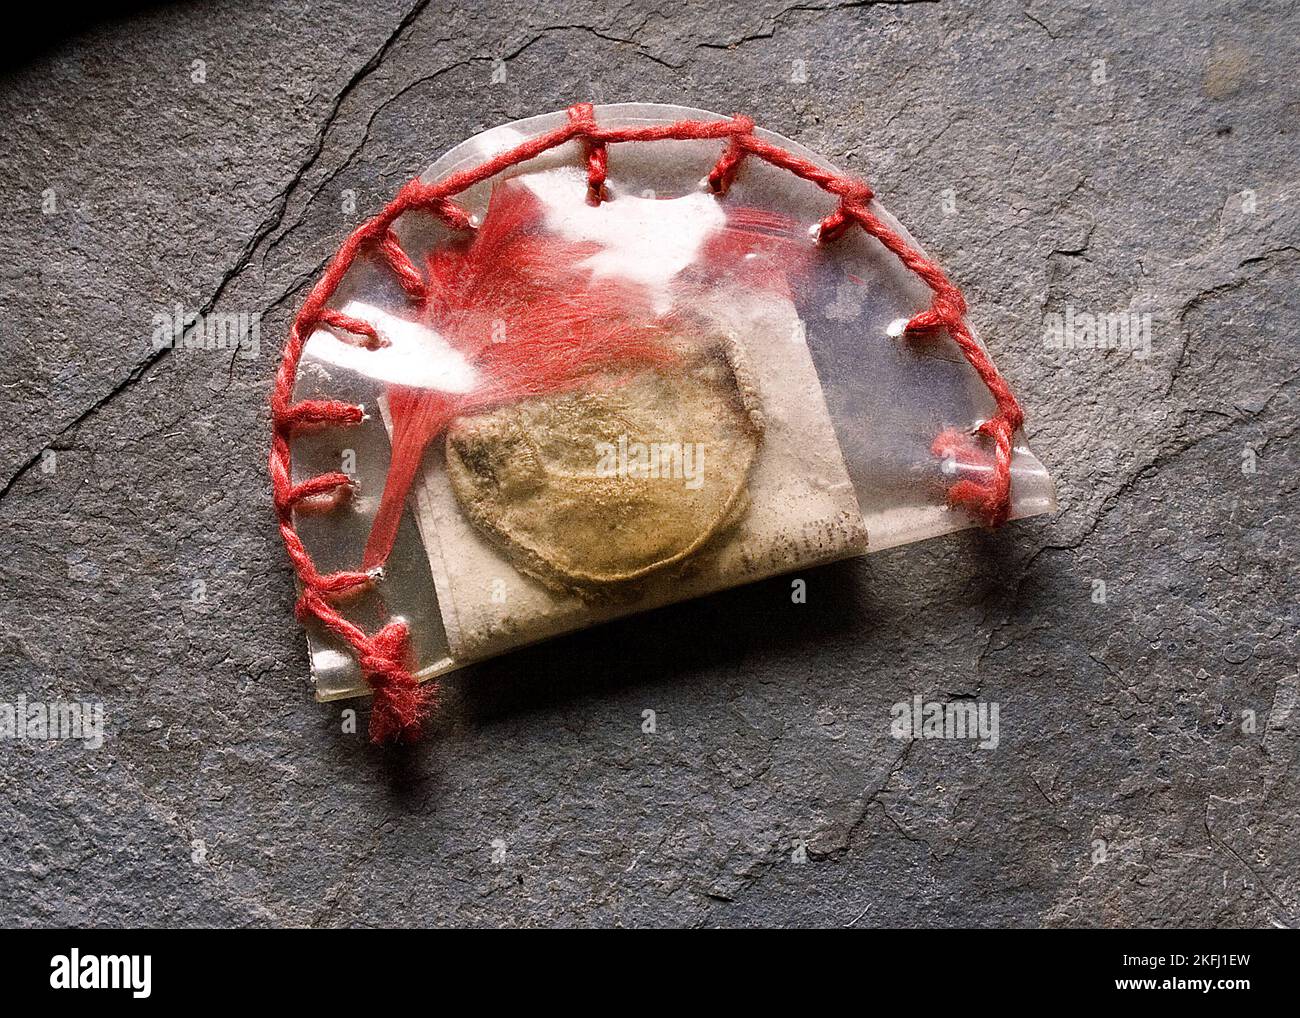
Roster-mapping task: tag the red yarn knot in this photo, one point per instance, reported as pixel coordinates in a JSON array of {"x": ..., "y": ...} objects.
[
  {"x": 946, "y": 312},
  {"x": 951, "y": 303},
  {"x": 855, "y": 193},
  {"x": 400, "y": 704},
  {"x": 1011, "y": 415},
  {"x": 417, "y": 194},
  {"x": 855, "y": 196},
  {"x": 584, "y": 115},
  {"x": 724, "y": 171},
  {"x": 983, "y": 480}
]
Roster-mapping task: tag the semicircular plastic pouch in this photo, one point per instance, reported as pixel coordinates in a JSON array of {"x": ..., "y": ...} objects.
[{"x": 605, "y": 359}]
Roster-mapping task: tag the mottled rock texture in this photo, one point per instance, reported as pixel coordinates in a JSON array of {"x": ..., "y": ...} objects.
[{"x": 1100, "y": 157}]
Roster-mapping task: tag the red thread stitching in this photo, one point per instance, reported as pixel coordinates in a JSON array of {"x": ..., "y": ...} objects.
[
  {"x": 724, "y": 171},
  {"x": 408, "y": 276},
  {"x": 584, "y": 114},
  {"x": 332, "y": 485},
  {"x": 371, "y": 339},
  {"x": 400, "y": 703}
]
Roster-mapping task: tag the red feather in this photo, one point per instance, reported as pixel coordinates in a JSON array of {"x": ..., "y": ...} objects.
[{"x": 519, "y": 306}]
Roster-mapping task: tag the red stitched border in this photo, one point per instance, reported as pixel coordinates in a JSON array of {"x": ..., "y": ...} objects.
[{"x": 400, "y": 703}]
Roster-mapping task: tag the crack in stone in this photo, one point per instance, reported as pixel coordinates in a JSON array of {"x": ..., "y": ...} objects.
[
  {"x": 777, "y": 18},
  {"x": 348, "y": 161},
  {"x": 267, "y": 227},
  {"x": 1050, "y": 34},
  {"x": 1161, "y": 458},
  {"x": 1218, "y": 842}
]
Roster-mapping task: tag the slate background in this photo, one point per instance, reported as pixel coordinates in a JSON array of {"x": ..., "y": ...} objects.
[{"x": 225, "y": 795}]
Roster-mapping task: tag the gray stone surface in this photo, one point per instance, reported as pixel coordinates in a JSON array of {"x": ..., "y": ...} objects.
[{"x": 1098, "y": 156}]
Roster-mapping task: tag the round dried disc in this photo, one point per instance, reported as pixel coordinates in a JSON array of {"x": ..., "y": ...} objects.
[{"x": 591, "y": 490}]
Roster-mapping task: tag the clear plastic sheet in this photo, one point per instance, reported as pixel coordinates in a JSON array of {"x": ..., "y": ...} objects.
[{"x": 764, "y": 413}]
